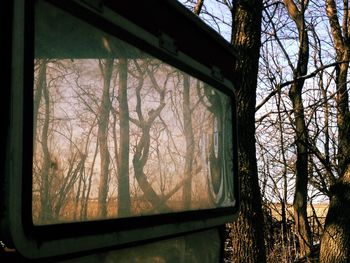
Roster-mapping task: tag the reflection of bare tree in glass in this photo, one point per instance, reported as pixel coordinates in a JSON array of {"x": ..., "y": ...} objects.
[
  {"x": 86, "y": 194},
  {"x": 87, "y": 112},
  {"x": 40, "y": 67},
  {"x": 188, "y": 131},
  {"x": 123, "y": 158},
  {"x": 85, "y": 179},
  {"x": 74, "y": 171},
  {"x": 82, "y": 150},
  {"x": 106, "y": 67},
  {"x": 45, "y": 204},
  {"x": 84, "y": 183},
  {"x": 142, "y": 148}
]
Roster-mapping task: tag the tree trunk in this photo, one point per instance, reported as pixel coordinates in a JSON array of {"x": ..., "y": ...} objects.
[
  {"x": 302, "y": 226},
  {"x": 106, "y": 69},
  {"x": 335, "y": 243},
  {"x": 124, "y": 204},
  {"x": 248, "y": 231},
  {"x": 301, "y": 133},
  {"x": 284, "y": 200}
]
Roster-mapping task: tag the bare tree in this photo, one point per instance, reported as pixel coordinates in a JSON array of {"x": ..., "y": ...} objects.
[{"x": 301, "y": 136}]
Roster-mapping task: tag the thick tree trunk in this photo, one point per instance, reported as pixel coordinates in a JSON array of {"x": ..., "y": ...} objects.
[
  {"x": 124, "y": 204},
  {"x": 248, "y": 231},
  {"x": 105, "y": 106},
  {"x": 335, "y": 243}
]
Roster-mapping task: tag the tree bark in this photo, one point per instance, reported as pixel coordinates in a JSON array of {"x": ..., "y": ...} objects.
[
  {"x": 335, "y": 243},
  {"x": 301, "y": 133},
  {"x": 301, "y": 176},
  {"x": 198, "y": 7},
  {"x": 248, "y": 231}
]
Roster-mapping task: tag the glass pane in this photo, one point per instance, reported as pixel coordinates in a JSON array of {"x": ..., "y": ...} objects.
[
  {"x": 118, "y": 133},
  {"x": 202, "y": 247}
]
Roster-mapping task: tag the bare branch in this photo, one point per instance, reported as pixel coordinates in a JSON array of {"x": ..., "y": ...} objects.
[{"x": 287, "y": 83}]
